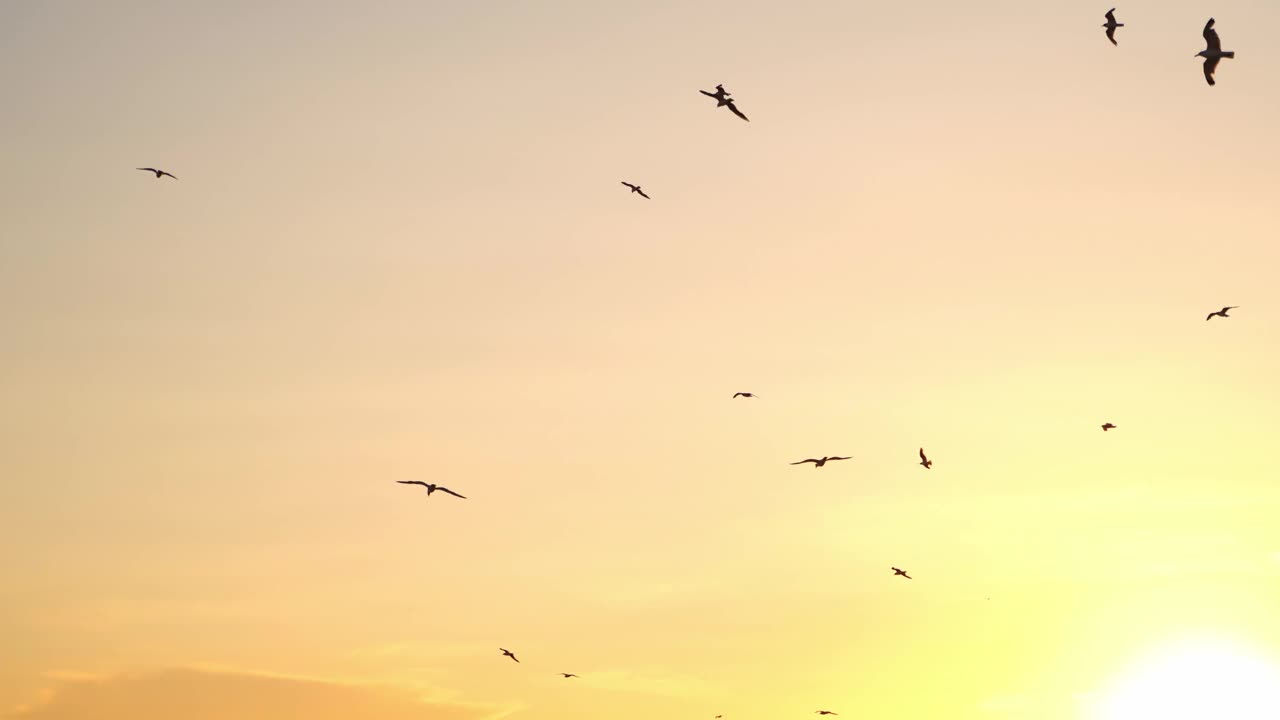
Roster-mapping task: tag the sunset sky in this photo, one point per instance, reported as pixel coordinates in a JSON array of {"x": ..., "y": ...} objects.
[{"x": 398, "y": 249}]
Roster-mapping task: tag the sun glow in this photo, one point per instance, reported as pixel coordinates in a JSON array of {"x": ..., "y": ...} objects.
[{"x": 1200, "y": 680}]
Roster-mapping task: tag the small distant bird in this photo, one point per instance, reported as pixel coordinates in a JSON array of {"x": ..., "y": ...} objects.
[
  {"x": 568, "y": 675},
  {"x": 1112, "y": 25},
  {"x": 903, "y": 573},
  {"x": 159, "y": 173},
  {"x": 636, "y": 189},
  {"x": 1108, "y": 426},
  {"x": 748, "y": 395},
  {"x": 819, "y": 462},
  {"x": 824, "y": 712},
  {"x": 509, "y": 654},
  {"x": 431, "y": 487},
  {"x": 926, "y": 462},
  {"x": 1213, "y": 53},
  {"x": 1220, "y": 313},
  {"x": 723, "y": 100}
]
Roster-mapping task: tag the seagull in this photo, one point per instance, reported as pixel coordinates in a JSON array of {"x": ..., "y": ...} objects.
[
  {"x": 1213, "y": 53},
  {"x": 636, "y": 189},
  {"x": 723, "y": 100},
  {"x": 819, "y": 462},
  {"x": 1221, "y": 313},
  {"x": 824, "y": 712},
  {"x": 746, "y": 395},
  {"x": 926, "y": 462},
  {"x": 509, "y": 654},
  {"x": 431, "y": 487},
  {"x": 903, "y": 573},
  {"x": 159, "y": 173},
  {"x": 1108, "y": 426},
  {"x": 1112, "y": 25},
  {"x": 568, "y": 675}
]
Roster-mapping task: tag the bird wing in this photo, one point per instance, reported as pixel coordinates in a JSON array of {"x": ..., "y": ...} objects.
[
  {"x": 815, "y": 462},
  {"x": 1111, "y": 15},
  {"x": 710, "y": 95},
  {"x": 734, "y": 109},
  {"x": 922, "y": 457},
  {"x": 840, "y": 458},
  {"x": 412, "y": 482},
  {"x": 1111, "y": 35},
  {"x": 447, "y": 490},
  {"x": 646, "y": 197},
  {"x": 1211, "y": 37},
  {"x": 633, "y": 187},
  {"x": 736, "y": 395},
  {"x": 175, "y": 177},
  {"x": 148, "y": 169},
  {"x": 1210, "y": 64},
  {"x": 1210, "y": 316},
  {"x": 1233, "y": 307}
]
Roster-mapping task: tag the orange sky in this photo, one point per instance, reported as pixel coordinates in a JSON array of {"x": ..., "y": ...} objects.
[{"x": 399, "y": 249}]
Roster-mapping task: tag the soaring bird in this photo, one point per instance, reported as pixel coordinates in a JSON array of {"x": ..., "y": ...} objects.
[
  {"x": 903, "y": 573},
  {"x": 1213, "y": 53},
  {"x": 636, "y": 189},
  {"x": 431, "y": 487},
  {"x": 722, "y": 99},
  {"x": 159, "y": 173},
  {"x": 926, "y": 462},
  {"x": 509, "y": 654},
  {"x": 1221, "y": 313},
  {"x": 824, "y": 712},
  {"x": 819, "y": 462},
  {"x": 1112, "y": 25},
  {"x": 568, "y": 675},
  {"x": 747, "y": 395},
  {"x": 1108, "y": 426}
]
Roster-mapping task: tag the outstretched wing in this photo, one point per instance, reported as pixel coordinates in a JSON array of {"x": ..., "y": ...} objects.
[
  {"x": 815, "y": 462},
  {"x": 633, "y": 187},
  {"x": 840, "y": 458},
  {"x": 642, "y": 194},
  {"x": 710, "y": 95},
  {"x": 412, "y": 482},
  {"x": 1111, "y": 35},
  {"x": 922, "y": 457},
  {"x": 1230, "y": 307},
  {"x": 148, "y": 169},
  {"x": 175, "y": 177},
  {"x": 1111, "y": 16},
  {"x": 1211, "y": 37},
  {"x": 734, "y": 109},
  {"x": 447, "y": 490},
  {"x": 1210, "y": 65}
]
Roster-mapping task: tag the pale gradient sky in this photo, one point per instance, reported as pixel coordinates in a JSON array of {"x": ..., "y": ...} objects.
[{"x": 399, "y": 249}]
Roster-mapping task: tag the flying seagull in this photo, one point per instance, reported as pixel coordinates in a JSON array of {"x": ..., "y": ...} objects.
[
  {"x": 431, "y": 487},
  {"x": 568, "y": 675},
  {"x": 824, "y": 712},
  {"x": 1112, "y": 25},
  {"x": 159, "y": 173},
  {"x": 747, "y": 395},
  {"x": 509, "y": 654},
  {"x": 636, "y": 189},
  {"x": 1108, "y": 426},
  {"x": 819, "y": 462},
  {"x": 723, "y": 100},
  {"x": 1213, "y": 53},
  {"x": 903, "y": 573},
  {"x": 926, "y": 462},
  {"x": 1221, "y": 313}
]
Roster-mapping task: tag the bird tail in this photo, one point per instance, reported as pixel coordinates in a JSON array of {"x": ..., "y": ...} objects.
[{"x": 1230, "y": 54}]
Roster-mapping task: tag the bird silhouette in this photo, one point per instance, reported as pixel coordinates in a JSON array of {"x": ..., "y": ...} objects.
[
  {"x": 636, "y": 189},
  {"x": 1220, "y": 313},
  {"x": 746, "y": 395},
  {"x": 1108, "y": 426},
  {"x": 926, "y": 462},
  {"x": 903, "y": 573},
  {"x": 722, "y": 99},
  {"x": 509, "y": 654},
  {"x": 1212, "y": 53},
  {"x": 1112, "y": 25},
  {"x": 824, "y": 712},
  {"x": 819, "y": 462},
  {"x": 431, "y": 487},
  {"x": 159, "y": 173},
  {"x": 568, "y": 675}
]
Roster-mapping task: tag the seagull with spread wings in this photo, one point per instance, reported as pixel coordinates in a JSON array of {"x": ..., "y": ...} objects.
[
  {"x": 721, "y": 96},
  {"x": 1221, "y": 313},
  {"x": 745, "y": 395},
  {"x": 1213, "y": 53},
  {"x": 159, "y": 173},
  {"x": 509, "y": 654},
  {"x": 1112, "y": 25},
  {"x": 568, "y": 675},
  {"x": 903, "y": 573},
  {"x": 819, "y": 462},
  {"x": 1108, "y": 426},
  {"x": 925, "y": 461},
  {"x": 824, "y": 712},
  {"x": 431, "y": 487},
  {"x": 636, "y": 189}
]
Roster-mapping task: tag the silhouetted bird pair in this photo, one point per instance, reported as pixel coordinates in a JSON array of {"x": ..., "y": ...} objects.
[{"x": 1212, "y": 54}]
